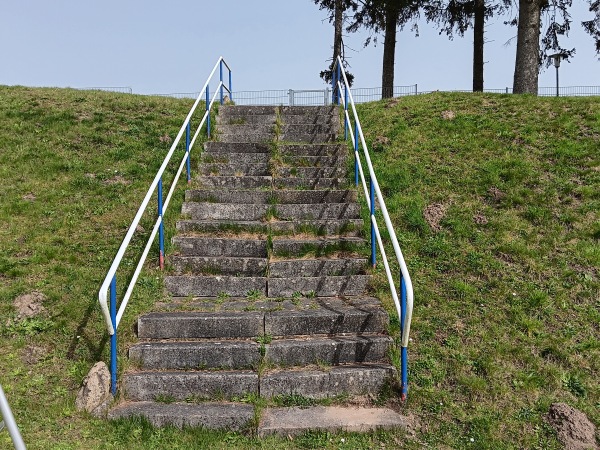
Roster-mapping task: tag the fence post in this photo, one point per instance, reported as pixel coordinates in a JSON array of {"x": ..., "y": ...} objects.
[
  {"x": 327, "y": 96},
  {"x": 221, "y": 79},
  {"x": 507, "y": 89},
  {"x": 187, "y": 150},
  {"x": 230, "y": 91},
  {"x": 113, "y": 338},
  {"x": 416, "y": 91},
  {"x": 161, "y": 233},
  {"x": 290, "y": 97},
  {"x": 208, "y": 115}
]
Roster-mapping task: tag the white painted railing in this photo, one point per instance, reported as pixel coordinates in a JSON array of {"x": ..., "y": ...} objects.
[{"x": 8, "y": 420}]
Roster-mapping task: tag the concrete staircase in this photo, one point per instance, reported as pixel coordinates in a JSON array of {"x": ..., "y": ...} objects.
[{"x": 269, "y": 288}]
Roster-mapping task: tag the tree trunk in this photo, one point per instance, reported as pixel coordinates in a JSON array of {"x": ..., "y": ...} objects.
[
  {"x": 478, "y": 40},
  {"x": 337, "y": 29},
  {"x": 528, "y": 48},
  {"x": 389, "y": 50}
]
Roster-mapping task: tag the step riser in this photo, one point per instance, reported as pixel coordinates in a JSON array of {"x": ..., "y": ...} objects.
[
  {"x": 345, "y": 227},
  {"x": 257, "y": 138},
  {"x": 246, "y": 129},
  {"x": 310, "y": 172},
  {"x": 313, "y": 138},
  {"x": 224, "y": 211},
  {"x": 236, "y": 158},
  {"x": 306, "y": 184},
  {"x": 217, "y": 148},
  {"x": 308, "y": 128},
  {"x": 199, "y": 246},
  {"x": 274, "y": 197},
  {"x": 317, "y": 267},
  {"x": 318, "y": 247},
  {"x": 235, "y": 169},
  {"x": 197, "y": 265},
  {"x": 192, "y": 226},
  {"x": 319, "y": 286},
  {"x": 247, "y": 110},
  {"x": 245, "y": 119},
  {"x": 318, "y": 211},
  {"x": 313, "y": 150},
  {"x": 316, "y": 161},
  {"x": 212, "y": 286},
  {"x": 233, "y": 211},
  {"x": 210, "y": 182},
  {"x": 311, "y": 119},
  {"x": 285, "y": 111}
]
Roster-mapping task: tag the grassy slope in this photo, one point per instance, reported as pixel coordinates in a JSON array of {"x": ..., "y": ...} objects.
[{"x": 485, "y": 363}]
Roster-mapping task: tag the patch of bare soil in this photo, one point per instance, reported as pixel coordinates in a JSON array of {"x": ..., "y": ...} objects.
[
  {"x": 393, "y": 102},
  {"x": 29, "y": 305},
  {"x": 573, "y": 427},
  {"x": 380, "y": 143},
  {"x": 29, "y": 197},
  {"x": 434, "y": 214},
  {"x": 166, "y": 139},
  {"x": 32, "y": 354},
  {"x": 118, "y": 179},
  {"x": 480, "y": 219},
  {"x": 496, "y": 194},
  {"x": 448, "y": 115}
]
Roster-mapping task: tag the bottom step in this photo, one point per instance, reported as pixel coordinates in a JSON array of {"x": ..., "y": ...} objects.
[{"x": 233, "y": 416}]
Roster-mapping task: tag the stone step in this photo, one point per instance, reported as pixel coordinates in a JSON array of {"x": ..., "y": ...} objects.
[
  {"x": 236, "y": 158},
  {"x": 239, "y": 168},
  {"x": 227, "y": 226},
  {"x": 298, "y": 136},
  {"x": 316, "y": 161},
  {"x": 270, "y": 197},
  {"x": 306, "y": 184},
  {"x": 285, "y": 247},
  {"x": 297, "y": 420},
  {"x": 243, "y": 137},
  {"x": 233, "y": 416},
  {"x": 247, "y": 129},
  {"x": 317, "y": 267},
  {"x": 212, "y": 286},
  {"x": 225, "y": 211},
  {"x": 327, "y": 227},
  {"x": 215, "y": 148},
  {"x": 317, "y": 211},
  {"x": 326, "y": 286},
  {"x": 199, "y": 355},
  {"x": 331, "y": 110},
  {"x": 247, "y": 110},
  {"x": 212, "y": 246},
  {"x": 310, "y": 172},
  {"x": 321, "y": 384},
  {"x": 228, "y": 182},
  {"x": 313, "y": 119},
  {"x": 246, "y": 119},
  {"x": 330, "y": 351},
  {"x": 191, "y": 386},
  {"x": 209, "y": 265},
  {"x": 198, "y": 325},
  {"x": 312, "y": 150},
  {"x": 327, "y": 316},
  {"x": 309, "y": 128}
]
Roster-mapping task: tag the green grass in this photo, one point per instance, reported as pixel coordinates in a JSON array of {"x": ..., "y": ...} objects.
[{"x": 506, "y": 314}]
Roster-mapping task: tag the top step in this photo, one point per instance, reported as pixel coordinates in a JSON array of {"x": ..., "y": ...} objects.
[
  {"x": 308, "y": 110},
  {"x": 232, "y": 110}
]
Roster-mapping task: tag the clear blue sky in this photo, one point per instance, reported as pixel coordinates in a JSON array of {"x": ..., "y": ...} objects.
[{"x": 169, "y": 46}]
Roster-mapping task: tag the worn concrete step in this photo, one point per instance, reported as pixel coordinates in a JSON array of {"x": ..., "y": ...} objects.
[
  {"x": 331, "y": 351},
  {"x": 212, "y": 246},
  {"x": 312, "y": 119},
  {"x": 225, "y": 211},
  {"x": 326, "y": 286},
  {"x": 226, "y": 226},
  {"x": 309, "y": 128},
  {"x": 284, "y": 111},
  {"x": 228, "y": 182},
  {"x": 308, "y": 184},
  {"x": 246, "y": 119},
  {"x": 218, "y": 265},
  {"x": 327, "y": 227},
  {"x": 327, "y": 315},
  {"x": 216, "y": 148},
  {"x": 313, "y": 150},
  {"x": 233, "y": 416},
  {"x": 212, "y": 286},
  {"x": 239, "y": 137},
  {"x": 236, "y": 158},
  {"x": 317, "y": 211},
  {"x": 322, "y": 246},
  {"x": 197, "y": 325},
  {"x": 224, "y": 354},
  {"x": 310, "y": 172},
  {"x": 312, "y": 138},
  {"x": 238, "y": 169},
  {"x": 321, "y": 384},
  {"x": 247, "y": 110},
  {"x": 297, "y": 420},
  {"x": 189, "y": 386},
  {"x": 247, "y": 129},
  {"x": 317, "y": 267},
  {"x": 271, "y": 197},
  {"x": 316, "y": 161}
]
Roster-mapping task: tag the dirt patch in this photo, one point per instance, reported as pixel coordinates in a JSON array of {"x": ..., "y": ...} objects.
[
  {"x": 573, "y": 427},
  {"x": 393, "y": 102},
  {"x": 29, "y": 197},
  {"x": 448, "y": 115},
  {"x": 166, "y": 139},
  {"x": 29, "y": 305},
  {"x": 480, "y": 219},
  {"x": 434, "y": 214},
  {"x": 496, "y": 194},
  {"x": 118, "y": 179},
  {"x": 380, "y": 143},
  {"x": 32, "y": 354},
  {"x": 90, "y": 175}
]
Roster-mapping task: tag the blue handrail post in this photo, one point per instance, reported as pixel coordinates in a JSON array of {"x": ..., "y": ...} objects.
[
  {"x": 221, "y": 78},
  {"x": 161, "y": 232},
  {"x": 113, "y": 338},
  {"x": 345, "y": 112},
  {"x": 356, "y": 153},
  {"x": 207, "y": 109},
  {"x": 230, "y": 91},
  {"x": 404, "y": 351},
  {"x": 187, "y": 151},
  {"x": 333, "y": 83},
  {"x": 373, "y": 247},
  {"x": 338, "y": 77}
]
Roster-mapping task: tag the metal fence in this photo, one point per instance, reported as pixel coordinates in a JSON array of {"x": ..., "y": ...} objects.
[{"x": 119, "y": 89}]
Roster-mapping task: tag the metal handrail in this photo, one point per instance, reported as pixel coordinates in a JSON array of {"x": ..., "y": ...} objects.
[
  {"x": 404, "y": 305},
  {"x": 112, "y": 317},
  {"x": 9, "y": 421}
]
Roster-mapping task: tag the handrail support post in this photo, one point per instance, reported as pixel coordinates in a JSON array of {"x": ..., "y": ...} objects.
[
  {"x": 208, "y": 110},
  {"x": 187, "y": 151},
  {"x": 221, "y": 79},
  {"x": 161, "y": 228},
  {"x": 403, "y": 350},
  {"x": 113, "y": 338},
  {"x": 356, "y": 153},
  {"x": 373, "y": 247},
  {"x": 230, "y": 91},
  {"x": 345, "y": 111}
]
